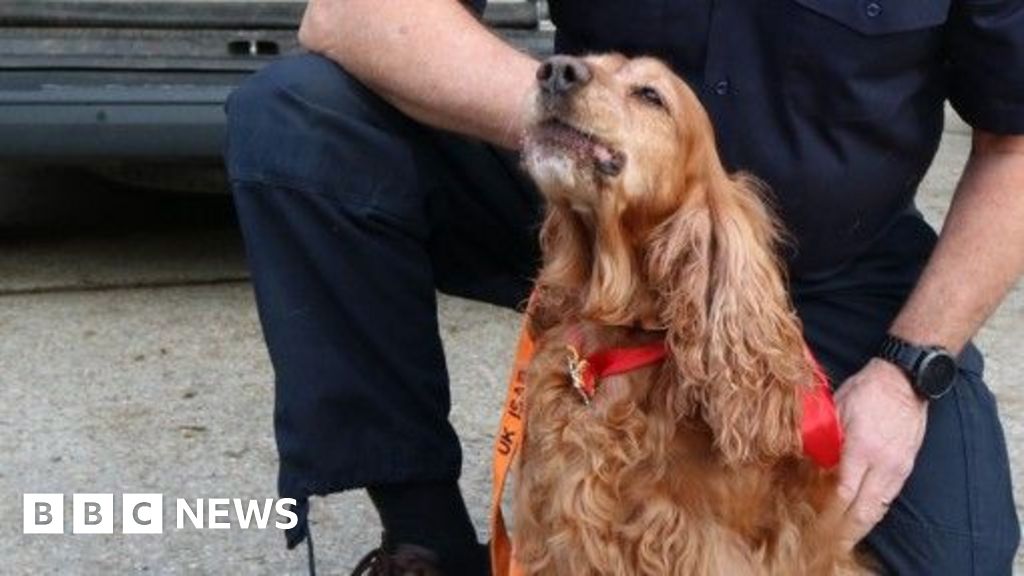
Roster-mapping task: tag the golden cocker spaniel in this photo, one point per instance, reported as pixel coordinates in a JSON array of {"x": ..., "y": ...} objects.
[{"x": 691, "y": 465}]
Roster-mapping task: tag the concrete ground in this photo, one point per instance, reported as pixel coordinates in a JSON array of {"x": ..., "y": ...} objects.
[{"x": 131, "y": 361}]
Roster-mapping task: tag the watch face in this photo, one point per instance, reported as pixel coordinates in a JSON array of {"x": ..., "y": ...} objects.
[{"x": 938, "y": 370}]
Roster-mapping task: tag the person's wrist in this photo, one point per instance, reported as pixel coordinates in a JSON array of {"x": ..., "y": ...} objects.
[
  {"x": 900, "y": 382},
  {"x": 928, "y": 365},
  {"x": 518, "y": 117}
]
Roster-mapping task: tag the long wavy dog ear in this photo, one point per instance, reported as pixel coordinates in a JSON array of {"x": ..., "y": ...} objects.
[
  {"x": 730, "y": 326},
  {"x": 566, "y": 250},
  {"x": 590, "y": 269}
]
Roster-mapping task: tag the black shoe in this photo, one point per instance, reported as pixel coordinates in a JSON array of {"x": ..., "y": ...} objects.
[{"x": 398, "y": 560}]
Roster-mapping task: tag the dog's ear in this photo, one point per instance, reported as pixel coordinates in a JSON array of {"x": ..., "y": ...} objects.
[
  {"x": 731, "y": 328},
  {"x": 590, "y": 269},
  {"x": 566, "y": 249}
]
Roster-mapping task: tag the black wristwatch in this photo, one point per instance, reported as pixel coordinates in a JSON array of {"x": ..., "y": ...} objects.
[{"x": 931, "y": 369}]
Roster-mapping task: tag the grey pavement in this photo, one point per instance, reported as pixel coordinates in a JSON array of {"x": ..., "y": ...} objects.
[{"x": 131, "y": 361}]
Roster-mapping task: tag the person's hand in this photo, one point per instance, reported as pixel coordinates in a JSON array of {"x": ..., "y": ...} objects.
[{"x": 883, "y": 420}]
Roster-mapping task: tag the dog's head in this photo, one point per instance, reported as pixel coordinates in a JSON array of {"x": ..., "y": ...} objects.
[
  {"x": 646, "y": 228},
  {"x": 612, "y": 134},
  {"x": 617, "y": 146}
]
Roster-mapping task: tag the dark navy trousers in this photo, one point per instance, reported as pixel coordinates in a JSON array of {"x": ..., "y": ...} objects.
[{"x": 354, "y": 216}]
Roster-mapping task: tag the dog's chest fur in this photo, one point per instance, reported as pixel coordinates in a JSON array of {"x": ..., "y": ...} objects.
[{"x": 630, "y": 484}]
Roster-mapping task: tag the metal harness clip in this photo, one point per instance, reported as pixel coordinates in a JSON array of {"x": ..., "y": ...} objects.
[{"x": 577, "y": 368}]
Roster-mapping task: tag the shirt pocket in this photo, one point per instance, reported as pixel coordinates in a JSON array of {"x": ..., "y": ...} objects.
[
  {"x": 860, "y": 60},
  {"x": 877, "y": 17}
]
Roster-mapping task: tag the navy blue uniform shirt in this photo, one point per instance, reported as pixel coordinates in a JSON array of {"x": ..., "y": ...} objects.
[{"x": 836, "y": 104}]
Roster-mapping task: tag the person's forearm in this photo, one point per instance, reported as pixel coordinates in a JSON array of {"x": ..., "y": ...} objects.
[
  {"x": 431, "y": 59},
  {"x": 980, "y": 254}
]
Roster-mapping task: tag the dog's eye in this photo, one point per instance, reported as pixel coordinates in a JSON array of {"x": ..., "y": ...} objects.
[{"x": 649, "y": 95}]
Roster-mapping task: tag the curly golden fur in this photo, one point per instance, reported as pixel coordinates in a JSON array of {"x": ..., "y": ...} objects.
[{"x": 692, "y": 466}]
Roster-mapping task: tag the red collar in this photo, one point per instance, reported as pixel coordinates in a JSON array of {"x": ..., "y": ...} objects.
[
  {"x": 586, "y": 372},
  {"x": 822, "y": 435}
]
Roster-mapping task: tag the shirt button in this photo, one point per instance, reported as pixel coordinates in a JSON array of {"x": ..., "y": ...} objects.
[
  {"x": 722, "y": 87},
  {"x": 873, "y": 9}
]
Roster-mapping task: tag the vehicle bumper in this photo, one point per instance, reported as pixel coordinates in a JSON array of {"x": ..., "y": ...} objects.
[{"x": 69, "y": 115}]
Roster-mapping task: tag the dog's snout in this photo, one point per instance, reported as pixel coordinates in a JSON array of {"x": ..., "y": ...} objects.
[{"x": 562, "y": 74}]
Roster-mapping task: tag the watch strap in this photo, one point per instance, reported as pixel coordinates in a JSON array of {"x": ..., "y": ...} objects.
[
  {"x": 903, "y": 354},
  {"x": 914, "y": 360}
]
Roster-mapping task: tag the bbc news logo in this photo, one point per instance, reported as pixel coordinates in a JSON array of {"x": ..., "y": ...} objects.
[{"x": 144, "y": 513}]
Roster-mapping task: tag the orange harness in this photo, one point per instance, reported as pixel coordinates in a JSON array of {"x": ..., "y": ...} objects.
[{"x": 822, "y": 435}]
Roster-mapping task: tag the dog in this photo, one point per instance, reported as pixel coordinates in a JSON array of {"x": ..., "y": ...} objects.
[{"x": 691, "y": 464}]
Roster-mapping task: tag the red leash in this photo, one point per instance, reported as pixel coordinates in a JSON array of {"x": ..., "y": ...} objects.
[{"x": 819, "y": 426}]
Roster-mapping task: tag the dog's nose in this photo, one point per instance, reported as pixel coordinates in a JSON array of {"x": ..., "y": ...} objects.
[{"x": 562, "y": 74}]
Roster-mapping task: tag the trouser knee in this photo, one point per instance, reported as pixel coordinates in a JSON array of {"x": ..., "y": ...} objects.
[{"x": 304, "y": 121}]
